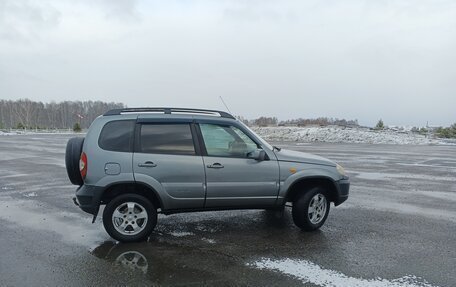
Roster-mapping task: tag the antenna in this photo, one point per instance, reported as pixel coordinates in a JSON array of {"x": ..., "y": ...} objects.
[{"x": 225, "y": 105}]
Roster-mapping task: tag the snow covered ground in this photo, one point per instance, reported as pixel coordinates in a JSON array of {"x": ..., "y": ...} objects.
[
  {"x": 309, "y": 272},
  {"x": 35, "y": 132},
  {"x": 336, "y": 134},
  {"x": 331, "y": 134}
]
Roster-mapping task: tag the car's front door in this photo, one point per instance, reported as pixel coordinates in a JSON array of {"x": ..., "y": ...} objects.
[
  {"x": 233, "y": 178},
  {"x": 166, "y": 158}
]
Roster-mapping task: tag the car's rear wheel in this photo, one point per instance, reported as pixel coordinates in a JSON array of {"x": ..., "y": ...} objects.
[
  {"x": 72, "y": 156},
  {"x": 311, "y": 209},
  {"x": 129, "y": 217}
]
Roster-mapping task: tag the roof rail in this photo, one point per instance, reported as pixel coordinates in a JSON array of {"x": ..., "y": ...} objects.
[{"x": 168, "y": 111}]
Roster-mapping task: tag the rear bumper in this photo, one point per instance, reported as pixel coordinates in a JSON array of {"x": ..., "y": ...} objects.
[
  {"x": 343, "y": 187},
  {"x": 88, "y": 198}
]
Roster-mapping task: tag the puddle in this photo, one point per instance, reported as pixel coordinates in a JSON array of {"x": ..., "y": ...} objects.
[
  {"x": 170, "y": 264},
  {"x": 70, "y": 227},
  {"x": 133, "y": 260}
]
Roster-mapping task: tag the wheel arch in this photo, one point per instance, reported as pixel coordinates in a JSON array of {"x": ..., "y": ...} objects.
[
  {"x": 306, "y": 183},
  {"x": 116, "y": 189}
]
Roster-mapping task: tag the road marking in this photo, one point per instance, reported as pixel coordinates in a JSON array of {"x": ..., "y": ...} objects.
[{"x": 309, "y": 272}]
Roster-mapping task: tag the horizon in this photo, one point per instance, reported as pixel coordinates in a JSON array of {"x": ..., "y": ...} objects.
[{"x": 240, "y": 117}]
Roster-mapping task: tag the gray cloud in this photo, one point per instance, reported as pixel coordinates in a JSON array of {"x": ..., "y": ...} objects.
[
  {"x": 22, "y": 21},
  {"x": 350, "y": 59},
  {"x": 118, "y": 9}
]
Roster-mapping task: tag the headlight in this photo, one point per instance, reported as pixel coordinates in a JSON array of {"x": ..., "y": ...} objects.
[{"x": 341, "y": 170}]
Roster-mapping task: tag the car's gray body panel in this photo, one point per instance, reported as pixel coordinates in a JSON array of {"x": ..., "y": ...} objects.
[
  {"x": 303, "y": 171},
  {"x": 241, "y": 182},
  {"x": 181, "y": 178},
  {"x": 185, "y": 182},
  {"x": 98, "y": 157},
  {"x": 296, "y": 156}
]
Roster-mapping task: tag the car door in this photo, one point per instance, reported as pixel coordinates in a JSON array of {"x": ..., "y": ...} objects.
[
  {"x": 166, "y": 158},
  {"x": 234, "y": 179}
]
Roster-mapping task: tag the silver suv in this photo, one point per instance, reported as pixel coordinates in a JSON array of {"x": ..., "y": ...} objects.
[{"x": 143, "y": 161}]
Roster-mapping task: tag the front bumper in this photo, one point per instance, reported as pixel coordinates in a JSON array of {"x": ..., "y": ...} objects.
[
  {"x": 88, "y": 198},
  {"x": 343, "y": 187}
]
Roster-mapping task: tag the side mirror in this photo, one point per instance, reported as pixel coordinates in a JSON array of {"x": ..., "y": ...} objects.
[{"x": 258, "y": 155}]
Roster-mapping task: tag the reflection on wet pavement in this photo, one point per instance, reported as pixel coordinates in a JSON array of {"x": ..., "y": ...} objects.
[{"x": 194, "y": 249}]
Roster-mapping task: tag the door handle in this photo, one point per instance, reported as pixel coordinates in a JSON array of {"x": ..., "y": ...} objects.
[
  {"x": 215, "y": 165},
  {"x": 147, "y": 164}
]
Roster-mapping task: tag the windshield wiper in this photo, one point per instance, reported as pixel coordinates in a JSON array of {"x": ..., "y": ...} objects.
[{"x": 277, "y": 148}]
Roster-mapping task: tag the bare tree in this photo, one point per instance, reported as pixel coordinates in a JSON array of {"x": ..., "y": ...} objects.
[{"x": 30, "y": 114}]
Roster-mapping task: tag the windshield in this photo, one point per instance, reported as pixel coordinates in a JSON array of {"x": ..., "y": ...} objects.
[{"x": 263, "y": 142}]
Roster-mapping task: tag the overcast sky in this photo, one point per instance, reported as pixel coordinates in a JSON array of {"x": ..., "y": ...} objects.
[{"x": 364, "y": 60}]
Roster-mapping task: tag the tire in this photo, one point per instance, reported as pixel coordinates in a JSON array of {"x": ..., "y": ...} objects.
[
  {"x": 72, "y": 156},
  {"x": 313, "y": 220},
  {"x": 121, "y": 212}
]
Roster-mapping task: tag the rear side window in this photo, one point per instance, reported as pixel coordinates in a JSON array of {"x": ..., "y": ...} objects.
[
  {"x": 117, "y": 136},
  {"x": 167, "y": 139}
]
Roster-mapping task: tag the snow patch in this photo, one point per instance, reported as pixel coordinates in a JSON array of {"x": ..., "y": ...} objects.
[
  {"x": 38, "y": 132},
  {"x": 208, "y": 240},
  {"x": 309, "y": 272},
  {"x": 336, "y": 134},
  {"x": 181, "y": 233}
]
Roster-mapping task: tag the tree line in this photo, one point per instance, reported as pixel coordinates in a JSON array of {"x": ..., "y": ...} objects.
[
  {"x": 448, "y": 132},
  {"x": 27, "y": 114}
]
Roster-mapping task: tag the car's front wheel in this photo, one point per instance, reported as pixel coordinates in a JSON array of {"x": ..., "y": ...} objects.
[
  {"x": 129, "y": 218},
  {"x": 310, "y": 209}
]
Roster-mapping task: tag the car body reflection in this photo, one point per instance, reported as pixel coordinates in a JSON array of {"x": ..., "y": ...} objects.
[{"x": 209, "y": 249}]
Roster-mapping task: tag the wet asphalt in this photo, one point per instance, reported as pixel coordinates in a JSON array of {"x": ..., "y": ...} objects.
[{"x": 400, "y": 220}]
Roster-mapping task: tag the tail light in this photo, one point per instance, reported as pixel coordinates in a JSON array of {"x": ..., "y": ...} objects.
[{"x": 83, "y": 165}]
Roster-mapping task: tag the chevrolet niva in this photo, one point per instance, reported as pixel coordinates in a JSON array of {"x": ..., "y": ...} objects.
[{"x": 143, "y": 161}]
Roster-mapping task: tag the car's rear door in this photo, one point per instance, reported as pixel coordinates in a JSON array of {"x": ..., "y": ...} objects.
[{"x": 166, "y": 157}]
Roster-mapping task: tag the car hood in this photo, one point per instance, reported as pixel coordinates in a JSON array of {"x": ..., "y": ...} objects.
[{"x": 296, "y": 156}]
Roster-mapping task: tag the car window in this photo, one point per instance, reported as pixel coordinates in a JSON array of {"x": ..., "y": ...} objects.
[
  {"x": 117, "y": 136},
  {"x": 226, "y": 141},
  {"x": 167, "y": 139}
]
